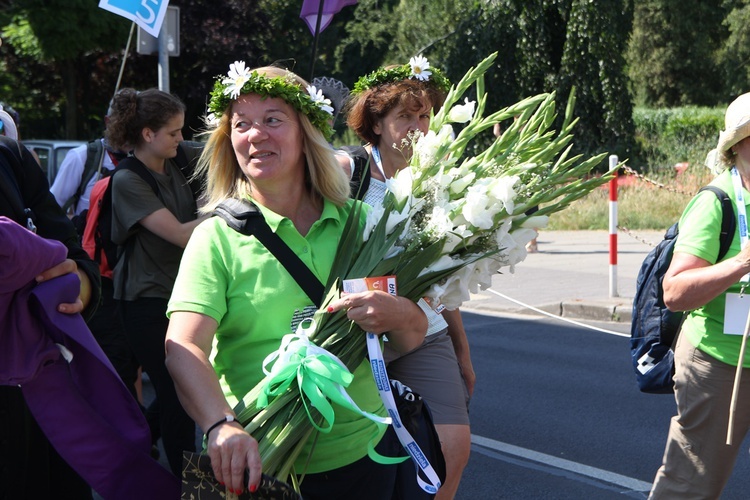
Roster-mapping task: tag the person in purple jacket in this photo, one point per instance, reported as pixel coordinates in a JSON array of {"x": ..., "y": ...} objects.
[{"x": 67, "y": 423}]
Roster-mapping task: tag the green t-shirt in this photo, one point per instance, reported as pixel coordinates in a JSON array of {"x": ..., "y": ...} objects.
[
  {"x": 233, "y": 279},
  {"x": 699, "y": 236}
]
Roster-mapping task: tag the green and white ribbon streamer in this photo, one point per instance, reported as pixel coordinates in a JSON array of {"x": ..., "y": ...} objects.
[
  {"x": 421, "y": 462},
  {"x": 321, "y": 377}
]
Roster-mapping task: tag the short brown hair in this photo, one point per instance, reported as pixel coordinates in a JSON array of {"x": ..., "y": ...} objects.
[{"x": 365, "y": 109}]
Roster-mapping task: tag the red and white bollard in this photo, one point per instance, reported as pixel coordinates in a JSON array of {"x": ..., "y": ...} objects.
[{"x": 613, "y": 230}]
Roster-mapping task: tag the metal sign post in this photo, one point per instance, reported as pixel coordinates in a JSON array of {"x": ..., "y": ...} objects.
[{"x": 165, "y": 46}]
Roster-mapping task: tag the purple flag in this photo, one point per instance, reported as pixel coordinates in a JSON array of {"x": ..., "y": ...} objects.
[{"x": 311, "y": 9}]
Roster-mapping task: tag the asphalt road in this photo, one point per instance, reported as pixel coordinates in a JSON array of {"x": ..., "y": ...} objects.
[{"x": 557, "y": 415}]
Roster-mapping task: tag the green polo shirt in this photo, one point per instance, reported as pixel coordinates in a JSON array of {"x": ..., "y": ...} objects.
[
  {"x": 233, "y": 279},
  {"x": 699, "y": 236}
]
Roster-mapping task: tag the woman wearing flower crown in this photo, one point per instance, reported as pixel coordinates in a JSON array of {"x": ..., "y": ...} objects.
[
  {"x": 233, "y": 300},
  {"x": 388, "y": 107}
]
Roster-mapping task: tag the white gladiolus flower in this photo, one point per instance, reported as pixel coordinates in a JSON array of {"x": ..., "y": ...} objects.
[
  {"x": 400, "y": 185},
  {"x": 394, "y": 218},
  {"x": 427, "y": 146},
  {"x": 460, "y": 184},
  {"x": 513, "y": 246},
  {"x": 455, "y": 290},
  {"x": 456, "y": 237},
  {"x": 536, "y": 222},
  {"x": 475, "y": 209},
  {"x": 462, "y": 113},
  {"x": 373, "y": 217},
  {"x": 481, "y": 277},
  {"x": 444, "y": 262},
  {"x": 503, "y": 191},
  {"x": 502, "y": 231},
  {"x": 439, "y": 220}
]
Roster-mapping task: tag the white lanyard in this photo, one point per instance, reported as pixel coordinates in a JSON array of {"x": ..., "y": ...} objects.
[
  {"x": 741, "y": 213},
  {"x": 377, "y": 363},
  {"x": 378, "y": 161}
]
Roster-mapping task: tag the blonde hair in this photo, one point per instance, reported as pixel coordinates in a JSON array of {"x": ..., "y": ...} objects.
[{"x": 224, "y": 179}]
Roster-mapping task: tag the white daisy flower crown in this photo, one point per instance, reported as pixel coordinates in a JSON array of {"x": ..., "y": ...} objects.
[
  {"x": 418, "y": 68},
  {"x": 240, "y": 80}
]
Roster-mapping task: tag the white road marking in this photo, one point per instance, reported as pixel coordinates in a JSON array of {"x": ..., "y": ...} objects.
[{"x": 560, "y": 463}]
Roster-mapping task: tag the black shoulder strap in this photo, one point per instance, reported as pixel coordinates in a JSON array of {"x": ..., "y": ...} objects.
[
  {"x": 244, "y": 217},
  {"x": 94, "y": 159},
  {"x": 728, "y": 220},
  {"x": 134, "y": 164},
  {"x": 360, "y": 181}
]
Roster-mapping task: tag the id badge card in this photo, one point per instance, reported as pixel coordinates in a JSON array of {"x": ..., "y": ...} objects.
[{"x": 735, "y": 313}]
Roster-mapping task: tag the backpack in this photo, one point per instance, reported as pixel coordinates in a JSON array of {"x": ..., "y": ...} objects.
[
  {"x": 654, "y": 328},
  {"x": 97, "y": 235},
  {"x": 92, "y": 167},
  {"x": 360, "y": 180},
  {"x": 94, "y": 160}
]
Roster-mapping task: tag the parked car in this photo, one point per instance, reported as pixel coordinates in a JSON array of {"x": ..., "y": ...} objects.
[{"x": 51, "y": 153}]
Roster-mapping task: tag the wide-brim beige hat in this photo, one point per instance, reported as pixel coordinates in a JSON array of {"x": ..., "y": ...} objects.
[{"x": 736, "y": 123}]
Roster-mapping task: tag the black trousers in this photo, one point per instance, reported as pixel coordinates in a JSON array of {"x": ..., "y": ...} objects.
[
  {"x": 146, "y": 326},
  {"x": 109, "y": 331},
  {"x": 361, "y": 480},
  {"x": 30, "y": 468}
]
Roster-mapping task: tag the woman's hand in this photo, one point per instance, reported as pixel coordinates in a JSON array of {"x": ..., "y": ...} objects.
[
  {"x": 379, "y": 312},
  {"x": 66, "y": 267},
  {"x": 232, "y": 451}
]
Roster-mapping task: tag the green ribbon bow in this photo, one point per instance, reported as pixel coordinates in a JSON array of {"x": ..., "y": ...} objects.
[{"x": 321, "y": 378}]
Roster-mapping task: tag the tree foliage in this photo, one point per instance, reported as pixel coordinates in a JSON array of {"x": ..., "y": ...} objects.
[
  {"x": 62, "y": 34},
  {"x": 61, "y": 59},
  {"x": 672, "y": 54},
  {"x": 593, "y": 64},
  {"x": 734, "y": 55}
]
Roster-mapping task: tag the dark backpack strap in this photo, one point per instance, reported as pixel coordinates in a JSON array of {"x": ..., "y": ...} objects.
[
  {"x": 244, "y": 217},
  {"x": 728, "y": 220},
  {"x": 94, "y": 159},
  {"x": 360, "y": 181},
  {"x": 134, "y": 164}
]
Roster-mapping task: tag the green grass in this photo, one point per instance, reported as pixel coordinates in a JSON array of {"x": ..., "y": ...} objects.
[{"x": 639, "y": 206}]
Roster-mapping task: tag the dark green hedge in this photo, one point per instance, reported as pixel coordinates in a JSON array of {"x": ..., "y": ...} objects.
[{"x": 673, "y": 135}]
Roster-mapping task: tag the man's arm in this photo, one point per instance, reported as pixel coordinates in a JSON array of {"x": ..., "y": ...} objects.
[{"x": 68, "y": 177}]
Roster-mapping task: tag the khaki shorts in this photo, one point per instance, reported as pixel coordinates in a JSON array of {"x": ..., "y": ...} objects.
[{"x": 431, "y": 370}]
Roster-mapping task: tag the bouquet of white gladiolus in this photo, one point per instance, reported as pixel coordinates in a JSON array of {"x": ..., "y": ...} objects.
[{"x": 449, "y": 222}]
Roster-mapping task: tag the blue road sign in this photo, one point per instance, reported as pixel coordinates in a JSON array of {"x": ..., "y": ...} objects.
[{"x": 148, "y": 14}]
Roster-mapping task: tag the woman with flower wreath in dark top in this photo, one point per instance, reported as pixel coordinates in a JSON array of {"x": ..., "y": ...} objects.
[
  {"x": 234, "y": 301},
  {"x": 386, "y": 109}
]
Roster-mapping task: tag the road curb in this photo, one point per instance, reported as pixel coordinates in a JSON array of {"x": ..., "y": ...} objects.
[{"x": 610, "y": 310}]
